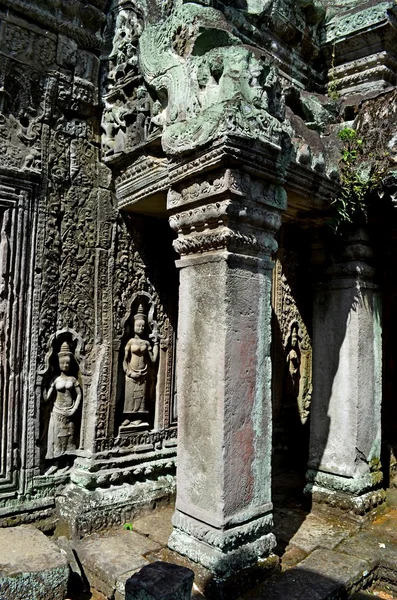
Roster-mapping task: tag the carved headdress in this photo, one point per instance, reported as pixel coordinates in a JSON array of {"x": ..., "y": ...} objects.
[
  {"x": 65, "y": 350},
  {"x": 140, "y": 313}
]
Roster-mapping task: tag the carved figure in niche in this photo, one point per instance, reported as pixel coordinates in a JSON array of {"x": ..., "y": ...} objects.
[
  {"x": 138, "y": 356},
  {"x": 293, "y": 361},
  {"x": 65, "y": 394},
  {"x": 113, "y": 125}
]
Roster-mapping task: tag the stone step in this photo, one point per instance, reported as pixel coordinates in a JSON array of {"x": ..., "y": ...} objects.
[
  {"x": 109, "y": 559},
  {"x": 31, "y": 566}
]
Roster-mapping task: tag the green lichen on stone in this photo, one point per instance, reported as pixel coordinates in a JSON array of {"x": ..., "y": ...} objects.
[{"x": 209, "y": 84}]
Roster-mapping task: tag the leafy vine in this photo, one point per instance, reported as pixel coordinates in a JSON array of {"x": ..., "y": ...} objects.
[{"x": 360, "y": 173}]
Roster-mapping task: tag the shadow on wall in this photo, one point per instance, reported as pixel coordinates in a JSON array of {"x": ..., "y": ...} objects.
[{"x": 344, "y": 436}]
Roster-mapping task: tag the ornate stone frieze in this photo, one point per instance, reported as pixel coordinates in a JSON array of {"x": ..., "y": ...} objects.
[
  {"x": 211, "y": 89},
  {"x": 357, "y": 18},
  {"x": 154, "y": 464},
  {"x": 147, "y": 177},
  {"x": 77, "y": 19},
  {"x": 149, "y": 440},
  {"x": 241, "y": 184},
  {"x": 230, "y": 211}
]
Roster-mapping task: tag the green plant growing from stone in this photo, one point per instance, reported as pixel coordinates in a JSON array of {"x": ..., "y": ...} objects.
[
  {"x": 360, "y": 174},
  {"x": 128, "y": 526}
]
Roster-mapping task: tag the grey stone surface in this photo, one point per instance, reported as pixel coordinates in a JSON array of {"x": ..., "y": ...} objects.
[
  {"x": 346, "y": 416},
  {"x": 345, "y": 432},
  {"x": 224, "y": 439},
  {"x": 82, "y": 266},
  {"x": 320, "y": 532},
  {"x": 31, "y": 566},
  {"x": 110, "y": 558},
  {"x": 323, "y": 574},
  {"x": 160, "y": 581},
  {"x": 157, "y": 525}
]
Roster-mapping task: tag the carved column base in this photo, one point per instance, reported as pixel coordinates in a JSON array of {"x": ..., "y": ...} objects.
[
  {"x": 358, "y": 495},
  {"x": 223, "y": 551}
]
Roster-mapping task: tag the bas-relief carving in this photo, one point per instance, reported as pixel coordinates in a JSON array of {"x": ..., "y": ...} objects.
[
  {"x": 129, "y": 116},
  {"x": 123, "y": 59},
  {"x": 145, "y": 378},
  {"x": 296, "y": 343},
  {"x": 139, "y": 356},
  {"x": 211, "y": 83},
  {"x": 64, "y": 397}
]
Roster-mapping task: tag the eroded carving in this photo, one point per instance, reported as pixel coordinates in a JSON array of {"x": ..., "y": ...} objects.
[
  {"x": 139, "y": 355},
  {"x": 211, "y": 85},
  {"x": 64, "y": 396}
]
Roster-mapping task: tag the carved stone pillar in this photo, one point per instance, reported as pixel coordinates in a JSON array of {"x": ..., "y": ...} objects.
[
  {"x": 344, "y": 464},
  {"x": 226, "y": 228}
]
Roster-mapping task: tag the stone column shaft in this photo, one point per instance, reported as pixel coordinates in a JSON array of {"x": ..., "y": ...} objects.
[
  {"x": 344, "y": 464},
  {"x": 223, "y": 515}
]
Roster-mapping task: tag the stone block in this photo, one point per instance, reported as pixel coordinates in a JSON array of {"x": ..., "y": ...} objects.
[
  {"x": 31, "y": 566},
  {"x": 160, "y": 581},
  {"x": 323, "y": 574},
  {"x": 109, "y": 559}
]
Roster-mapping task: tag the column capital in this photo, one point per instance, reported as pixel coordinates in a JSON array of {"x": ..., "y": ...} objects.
[
  {"x": 228, "y": 211},
  {"x": 353, "y": 259}
]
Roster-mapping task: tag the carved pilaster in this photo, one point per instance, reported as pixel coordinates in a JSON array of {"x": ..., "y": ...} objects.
[
  {"x": 226, "y": 226},
  {"x": 344, "y": 464}
]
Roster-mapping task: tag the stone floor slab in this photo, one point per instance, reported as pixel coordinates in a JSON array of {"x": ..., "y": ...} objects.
[
  {"x": 157, "y": 525},
  {"x": 317, "y": 577},
  {"x": 108, "y": 558},
  {"x": 317, "y": 532},
  {"x": 31, "y": 566}
]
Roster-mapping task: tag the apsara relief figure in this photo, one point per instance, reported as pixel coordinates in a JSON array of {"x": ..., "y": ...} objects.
[
  {"x": 138, "y": 356},
  {"x": 64, "y": 394}
]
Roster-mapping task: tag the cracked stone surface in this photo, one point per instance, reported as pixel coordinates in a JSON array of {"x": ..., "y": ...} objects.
[{"x": 156, "y": 526}]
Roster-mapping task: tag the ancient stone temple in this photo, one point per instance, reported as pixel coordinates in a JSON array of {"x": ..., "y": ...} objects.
[{"x": 197, "y": 255}]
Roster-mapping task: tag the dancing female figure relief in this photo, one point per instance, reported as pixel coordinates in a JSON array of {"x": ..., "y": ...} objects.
[
  {"x": 65, "y": 395},
  {"x": 138, "y": 356}
]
